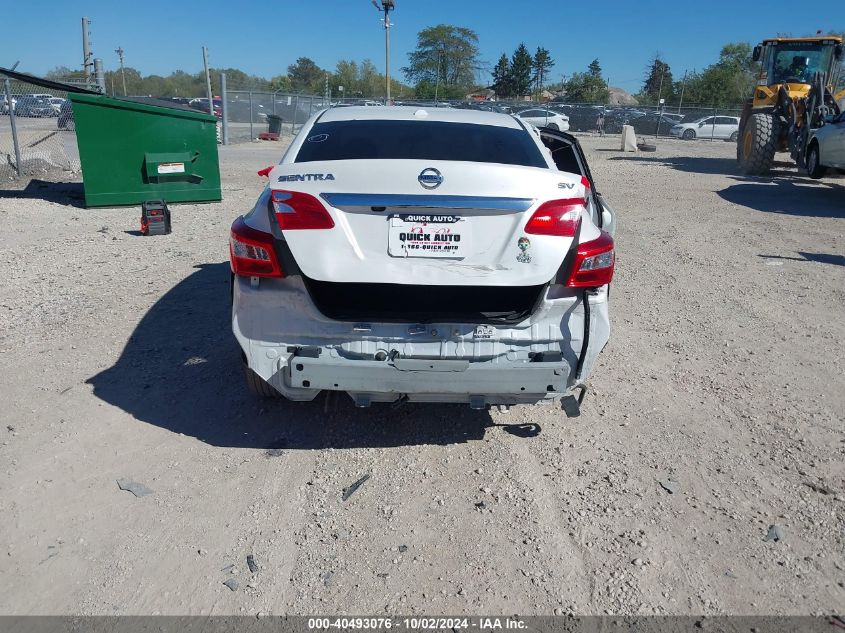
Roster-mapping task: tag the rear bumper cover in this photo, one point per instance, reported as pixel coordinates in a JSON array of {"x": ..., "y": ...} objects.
[{"x": 300, "y": 352}]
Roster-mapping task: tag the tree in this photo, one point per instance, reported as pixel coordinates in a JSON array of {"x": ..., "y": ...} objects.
[
  {"x": 588, "y": 87},
  {"x": 520, "y": 73},
  {"x": 305, "y": 74},
  {"x": 658, "y": 82},
  {"x": 541, "y": 65},
  {"x": 727, "y": 83},
  {"x": 502, "y": 77},
  {"x": 445, "y": 55},
  {"x": 281, "y": 83}
]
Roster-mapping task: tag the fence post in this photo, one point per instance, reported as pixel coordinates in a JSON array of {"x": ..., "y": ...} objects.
[
  {"x": 713, "y": 127},
  {"x": 223, "y": 99},
  {"x": 295, "y": 113},
  {"x": 251, "y": 133},
  {"x": 14, "y": 127}
]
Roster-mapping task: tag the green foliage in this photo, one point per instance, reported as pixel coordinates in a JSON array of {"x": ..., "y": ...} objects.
[
  {"x": 502, "y": 77},
  {"x": 541, "y": 64},
  {"x": 728, "y": 82},
  {"x": 658, "y": 82},
  {"x": 520, "y": 71},
  {"x": 446, "y": 56},
  {"x": 588, "y": 87},
  {"x": 306, "y": 76}
]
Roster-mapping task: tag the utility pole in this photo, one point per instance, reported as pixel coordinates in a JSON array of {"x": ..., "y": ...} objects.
[
  {"x": 437, "y": 83},
  {"x": 87, "y": 61},
  {"x": 683, "y": 86},
  {"x": 12, "y": 124},
  {"x": 328, "y": 96},
  {"x": 208, "y": 83},
  {"x": 119, "y": 51},
  {"x": 99, "y": 75},
  {"x": 386, "y": 6}
]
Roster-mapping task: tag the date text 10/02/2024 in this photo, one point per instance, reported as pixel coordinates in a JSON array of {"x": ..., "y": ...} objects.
[{"x": 416, "y": 623}]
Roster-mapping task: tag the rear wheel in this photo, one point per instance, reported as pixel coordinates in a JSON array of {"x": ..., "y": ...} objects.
[
  {"x": 553, "y": 126},
  {"x": 814, "y": 167},
  {"x": 734, "y": 137},
  {"x": 257, "y": 385},
  {"x": 756, "y": 149},
  {"x": 688, "y": 135}
]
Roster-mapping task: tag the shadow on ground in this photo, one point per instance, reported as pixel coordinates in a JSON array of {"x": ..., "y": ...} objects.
[
  {"x": 799, "y": 197},
  {"x": 821, "y": 258},
  {"x": 68, "y": 193},
  {"x": 784, "y": 190},
  {"x": 711, "y": 165},
  {"x": 180, "y": 370}
]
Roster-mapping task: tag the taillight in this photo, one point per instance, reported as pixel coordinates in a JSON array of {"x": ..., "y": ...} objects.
[
  {"x": 296, "y": 210},
  {"x": 556, "y": 217},
  {"x": 251, "y": 252},
  {"x": 594, "y": 262}
]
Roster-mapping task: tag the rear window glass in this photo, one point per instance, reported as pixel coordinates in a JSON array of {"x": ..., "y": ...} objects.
[{"x": 424, "y": 140}]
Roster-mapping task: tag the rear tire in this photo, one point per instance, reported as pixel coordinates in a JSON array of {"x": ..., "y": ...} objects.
[
  {"x": 553, "y": 126},
  {"x": 688, "y": 135},
  {"x": 734, "y": 137},
  {"x": 756, "y": 149},
  {"x": 814, "y": 167},
  {"x": 258, "y": 386}
]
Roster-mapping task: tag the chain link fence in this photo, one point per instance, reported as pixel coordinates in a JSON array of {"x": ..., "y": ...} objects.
[
  {"x": 37, "y": 132},
  {"x": 249, "y": 113}
]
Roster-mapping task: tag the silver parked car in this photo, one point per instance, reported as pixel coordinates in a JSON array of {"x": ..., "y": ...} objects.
[{"x": 827, "y": 148}]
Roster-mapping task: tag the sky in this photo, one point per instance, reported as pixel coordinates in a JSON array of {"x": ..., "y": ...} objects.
[{"x": 264, "y": 38}]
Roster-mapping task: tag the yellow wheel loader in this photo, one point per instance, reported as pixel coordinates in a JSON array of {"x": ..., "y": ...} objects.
[{"x": 794, "y": 94}]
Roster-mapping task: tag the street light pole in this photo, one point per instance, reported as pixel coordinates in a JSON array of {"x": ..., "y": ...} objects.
[
  {"x": 119, "y": 51},
  {"x": 386, "y": 6},
  {"x": 437, "y": 82}
]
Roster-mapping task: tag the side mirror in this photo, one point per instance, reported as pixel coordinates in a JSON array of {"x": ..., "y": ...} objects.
[
  {"x": 701, "y": 124},
  {"x": 757, "y": 52}
]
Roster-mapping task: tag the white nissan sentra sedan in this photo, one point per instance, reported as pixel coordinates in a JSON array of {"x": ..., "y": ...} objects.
[{"x": 438, "y": 255}]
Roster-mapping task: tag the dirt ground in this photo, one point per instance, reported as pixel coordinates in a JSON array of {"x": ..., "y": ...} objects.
[{"x": 724, "y": 375}]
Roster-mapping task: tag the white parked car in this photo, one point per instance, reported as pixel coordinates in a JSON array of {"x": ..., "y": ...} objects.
[
  {"x": 726, "y": 127},
  {"x": 440, "y": 255},
  {"x": 4, "y": 105},
  {"x": 540, "y": 117},
  {"x": 827, "y": 148}
]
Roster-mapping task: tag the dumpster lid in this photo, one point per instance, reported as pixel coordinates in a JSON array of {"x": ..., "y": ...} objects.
[
  {"x": 45, "y": 83},
  {"x": 143, "y": 104}
]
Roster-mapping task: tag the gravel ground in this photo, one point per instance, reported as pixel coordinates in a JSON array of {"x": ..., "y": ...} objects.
[{"x": 716, "y": 412}]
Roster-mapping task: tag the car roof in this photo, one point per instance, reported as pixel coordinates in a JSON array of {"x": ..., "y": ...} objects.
[{"x": 417, "y": 113}]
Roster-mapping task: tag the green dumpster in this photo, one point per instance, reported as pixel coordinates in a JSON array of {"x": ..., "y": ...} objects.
[{"x": 132, "y": 151}]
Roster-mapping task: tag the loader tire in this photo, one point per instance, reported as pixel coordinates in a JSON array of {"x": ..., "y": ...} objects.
[{"x": 755, "y": 150}]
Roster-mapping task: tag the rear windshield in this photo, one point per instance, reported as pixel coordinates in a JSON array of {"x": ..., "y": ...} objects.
[{"x": 424, "y": 140}]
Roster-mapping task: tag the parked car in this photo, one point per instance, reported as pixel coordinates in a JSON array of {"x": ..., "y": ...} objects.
[
  {"x": 726, "y": 127},
  {"x": 34, "y": 107},
  {"x": 541, "y": 117},
  {"x": 56, "y": 102},
  {"x": 617, "y": 118},
  {"x": 582, "y": 118},
  {"x": 201, "y": 104},
  {"x": 827, "y": 148},
  {"x": 4, "y": 105},
  {"x": 652, "y": 123},
  {"x": 66, "y": 120},
  {"x": 448, "y": 258}
]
